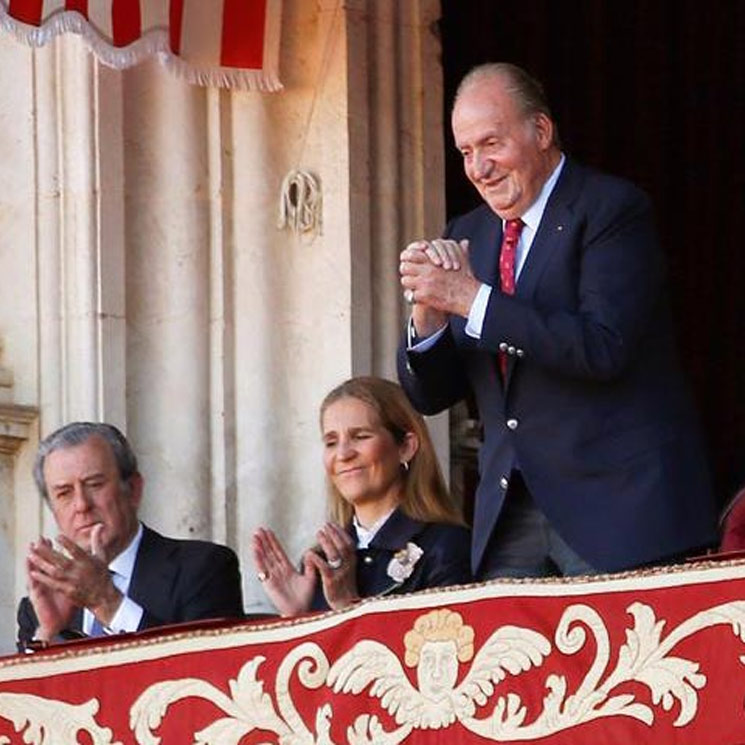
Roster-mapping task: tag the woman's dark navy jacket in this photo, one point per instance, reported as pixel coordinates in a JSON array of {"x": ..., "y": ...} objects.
[{"x": 445, "y": 559}]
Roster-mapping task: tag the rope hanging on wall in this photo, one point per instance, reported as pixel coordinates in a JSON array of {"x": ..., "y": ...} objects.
[{"x": 300, "y": 204}]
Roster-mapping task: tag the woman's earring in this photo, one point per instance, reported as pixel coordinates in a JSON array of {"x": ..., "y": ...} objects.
[{"x": 405, "y": 464}]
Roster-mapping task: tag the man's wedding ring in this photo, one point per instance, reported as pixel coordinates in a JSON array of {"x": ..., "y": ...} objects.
[
  {"x": 409, "y": 296},
  {"x": 334, "y": 563},
  {"x": 262, "y": 576}
]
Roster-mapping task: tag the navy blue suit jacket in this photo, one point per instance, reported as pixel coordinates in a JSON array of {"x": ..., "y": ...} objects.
[
  {"x": 174, "y": 581},
  {"x": 594, "y": 411},
  {"x": 445, "y": 559}
]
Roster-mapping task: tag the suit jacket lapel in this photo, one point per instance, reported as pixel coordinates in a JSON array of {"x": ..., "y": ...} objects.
[
  {"x": 396, "y": 532},
  {"x": 154, "y": 572},
  {"x": 484, "y": 249},
  {"x": 484, "y": 246},
  {"x": 556, "y": 218}
]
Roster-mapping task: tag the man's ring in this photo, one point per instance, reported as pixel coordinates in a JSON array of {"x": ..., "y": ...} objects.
[
  {"x": 262, "y": 576},
  {"x": 409, "y": 296},
  {"x": 335, "y": 563}
]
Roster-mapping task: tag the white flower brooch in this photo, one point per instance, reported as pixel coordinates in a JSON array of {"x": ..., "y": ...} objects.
[{"x": 403, "y": 562}]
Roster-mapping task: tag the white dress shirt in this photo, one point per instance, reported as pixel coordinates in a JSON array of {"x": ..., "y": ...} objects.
[
  {"x": 365, "y": 535},
  {"x": 129, "y": 614}
]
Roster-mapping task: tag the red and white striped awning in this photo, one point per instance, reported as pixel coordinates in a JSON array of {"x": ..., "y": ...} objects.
[{"x": 226, "y": 43}]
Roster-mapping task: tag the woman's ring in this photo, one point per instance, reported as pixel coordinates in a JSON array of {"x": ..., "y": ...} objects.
[
  {"x": 262, "y": 576},
  {"x": 409, "y": 296},
  {"x": 335, "y": 563}
]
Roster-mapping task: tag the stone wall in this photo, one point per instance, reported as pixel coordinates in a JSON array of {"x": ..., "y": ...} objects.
[{"x": 149, "y": 285}]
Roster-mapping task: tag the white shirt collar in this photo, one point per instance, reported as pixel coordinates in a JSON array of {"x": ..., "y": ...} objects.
[
  {"x": 365, "y": 535},
  {"x": 121, "y": 568},
  {"x": 533, "y": 216},
  {"x": 534, "y": 213}
]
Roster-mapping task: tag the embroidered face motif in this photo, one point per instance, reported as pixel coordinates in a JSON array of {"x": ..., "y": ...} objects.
[{"x": 437, "y": 670}]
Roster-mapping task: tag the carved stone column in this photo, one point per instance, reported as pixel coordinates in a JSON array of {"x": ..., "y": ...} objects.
[
  {"x": 397, "y": 169},
  {"x": 397, "y": 164},
  {"x": 15, "y": 429}
]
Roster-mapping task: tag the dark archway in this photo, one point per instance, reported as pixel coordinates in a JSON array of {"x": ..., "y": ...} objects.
[{"x": 653, "y": 90}]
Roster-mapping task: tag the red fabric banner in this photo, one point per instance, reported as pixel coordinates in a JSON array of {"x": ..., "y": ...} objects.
[
  {"x": 227, "y": 43},
  {"x": 654, "y": 657}
]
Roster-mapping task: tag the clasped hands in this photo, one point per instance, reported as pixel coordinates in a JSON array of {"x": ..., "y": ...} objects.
[
  {"x": 438, "y": 280},
  {"x": 61, "y": 581},
  {"x": 292, "y": 589}
]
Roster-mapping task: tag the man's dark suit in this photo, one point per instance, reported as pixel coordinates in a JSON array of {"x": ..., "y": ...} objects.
[
  {"x": 594, "y": 412},
  {"x": 444, "y": 561},
  {"x": 173, "y": 581}
]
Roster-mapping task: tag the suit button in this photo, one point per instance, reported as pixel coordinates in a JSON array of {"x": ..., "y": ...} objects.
[
  {"x": 368, "y": 560},
  {"x": 512, "y": 423},
  {"x": 502, "y": 346},
  {"x": 520, "y": 353},
  {"x": 504, "y": 482},
  {"x": 510, "y": 350}
]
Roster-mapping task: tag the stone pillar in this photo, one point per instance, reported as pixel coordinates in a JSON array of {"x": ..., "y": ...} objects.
[
  {"x": 160, "y": 294},
  {"x": 79, "y": 238},
  {"x": 16, "y": 428},
  {"x": 398, "y": 173},
  {"x": 293, "y": 306},
  {"x": 397, "y": 191},
  {"x": 168, "y": 286}
]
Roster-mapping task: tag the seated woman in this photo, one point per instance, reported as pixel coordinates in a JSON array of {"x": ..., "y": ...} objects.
[{"x": 393, "y": 527}]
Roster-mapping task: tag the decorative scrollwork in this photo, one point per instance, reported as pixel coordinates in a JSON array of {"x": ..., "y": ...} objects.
[
  {"x": 50, "y": 722},
  {"x": 247, "y": 708},
  {"x": 644, "y": 658},
  {"x": 429, "y": 696}
]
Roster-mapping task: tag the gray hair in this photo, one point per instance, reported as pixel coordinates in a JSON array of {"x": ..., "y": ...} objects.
[
  {"x": 524, "y": 89},
  {"x": 76, "y": 433}
]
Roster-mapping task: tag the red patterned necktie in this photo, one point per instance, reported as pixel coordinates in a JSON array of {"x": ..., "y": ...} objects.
[{"x": 512, "y": 230}]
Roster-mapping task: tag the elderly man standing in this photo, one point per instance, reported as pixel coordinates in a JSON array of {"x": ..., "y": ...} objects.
[
  {"x": 110, "y": 573},
  {"x": 549, "y": 303}
]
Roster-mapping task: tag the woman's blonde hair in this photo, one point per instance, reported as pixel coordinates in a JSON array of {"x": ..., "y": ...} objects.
[{"x": 426, "y": 497}]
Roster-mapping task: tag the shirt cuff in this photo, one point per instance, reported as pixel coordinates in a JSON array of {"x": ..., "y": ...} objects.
[
  {"x": 475, "y": 322},
  {"x": 415, "y": 344},
  {"x": 127, "y": 617}
]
